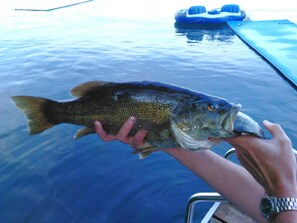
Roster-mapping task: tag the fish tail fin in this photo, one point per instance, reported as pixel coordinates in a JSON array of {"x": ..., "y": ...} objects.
[{"x": 37, "y": 111}]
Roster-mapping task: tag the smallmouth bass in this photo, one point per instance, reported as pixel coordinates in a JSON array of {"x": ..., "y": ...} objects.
[{"x": 172, "y": 115}]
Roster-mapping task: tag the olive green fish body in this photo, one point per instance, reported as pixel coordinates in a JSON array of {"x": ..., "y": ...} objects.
[
  {"x": 172, "y": 115},
  {"x": 113, "y": 103},
  {"x": 112, "y": 113}
]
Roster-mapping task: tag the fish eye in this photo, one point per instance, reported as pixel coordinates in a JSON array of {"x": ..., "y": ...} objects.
[{"x": 212, "y": 107}]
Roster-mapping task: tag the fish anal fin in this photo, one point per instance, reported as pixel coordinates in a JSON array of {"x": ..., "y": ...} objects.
[
  {"x": 86, "y": 88},
  {"x": 83, "y": 132},
  {"x": 145, "y": 150}
]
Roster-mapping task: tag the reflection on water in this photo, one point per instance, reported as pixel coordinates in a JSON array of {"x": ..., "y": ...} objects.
[{"x": 199, "y": 32}]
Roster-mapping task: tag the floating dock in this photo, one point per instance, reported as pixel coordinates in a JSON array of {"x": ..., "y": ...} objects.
[{"x": 275, "y": 40}]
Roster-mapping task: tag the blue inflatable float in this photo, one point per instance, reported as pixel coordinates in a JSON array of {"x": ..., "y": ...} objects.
[{"x": 199, "y": 15}]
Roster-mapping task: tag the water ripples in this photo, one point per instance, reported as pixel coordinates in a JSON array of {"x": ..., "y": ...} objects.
[{"x": 50, "y": 178}]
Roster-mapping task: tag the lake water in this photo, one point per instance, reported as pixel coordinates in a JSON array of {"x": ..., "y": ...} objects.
[{"x": 50, "y": 178}]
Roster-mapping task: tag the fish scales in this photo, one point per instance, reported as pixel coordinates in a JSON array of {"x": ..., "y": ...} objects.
[
  {"x": 113, "y": 106},
  {"x": 173, "y": 116}
]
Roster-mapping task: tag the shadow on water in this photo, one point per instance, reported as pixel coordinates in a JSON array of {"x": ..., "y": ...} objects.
[{"x": 199, "y": 32}]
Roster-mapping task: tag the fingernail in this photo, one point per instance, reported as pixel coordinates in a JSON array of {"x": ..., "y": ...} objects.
[
  {"x": 131, "y": 120},
  {"x": 266, "y": 122}
]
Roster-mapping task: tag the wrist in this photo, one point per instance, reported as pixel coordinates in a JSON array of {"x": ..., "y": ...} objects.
[
  {"x": 288, "y": 189},
  {"x": 282, "y": 196},
  {"x": 277, "y": 209}
]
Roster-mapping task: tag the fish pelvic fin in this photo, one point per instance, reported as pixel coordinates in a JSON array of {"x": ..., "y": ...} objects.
[
  {"x": 37, "y": 111},
  {"x": 83, "y": 132},
  {"x": 145, "y": 151}
]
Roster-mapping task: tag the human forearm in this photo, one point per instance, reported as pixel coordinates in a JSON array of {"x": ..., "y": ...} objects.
[{"x": 232, "y": 181}]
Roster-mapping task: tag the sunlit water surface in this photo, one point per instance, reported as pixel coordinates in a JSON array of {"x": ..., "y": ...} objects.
[{"x": 50, "y": 178}]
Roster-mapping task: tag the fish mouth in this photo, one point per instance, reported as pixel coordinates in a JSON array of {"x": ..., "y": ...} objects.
[{"x": 228, "y": 121}]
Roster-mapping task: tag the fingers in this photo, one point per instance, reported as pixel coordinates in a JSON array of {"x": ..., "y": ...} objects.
[
  {"x": 243, "y": 141},
  {"x": 138, "y": 140},
  {"x": 247, "y": 141},
  {"x": 125, "y": 129},
  {"x": 135, "y": 141},
  {"x": 278, "y": 134},
  {"x": 102, "y": 134}
]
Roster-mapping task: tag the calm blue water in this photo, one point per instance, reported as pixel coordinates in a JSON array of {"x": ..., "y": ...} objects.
[{"x": 50, "y": 178}]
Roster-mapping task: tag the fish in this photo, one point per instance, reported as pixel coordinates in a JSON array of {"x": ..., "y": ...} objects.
[{"x": 172, "y": 115}]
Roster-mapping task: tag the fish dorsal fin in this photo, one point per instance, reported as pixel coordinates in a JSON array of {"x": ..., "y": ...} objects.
[{"x": 86, "y": 88}]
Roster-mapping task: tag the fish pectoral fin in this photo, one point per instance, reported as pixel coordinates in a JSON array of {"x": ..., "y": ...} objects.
[
  {"x": 82, "y": 132},
  {"x": 145, "y": 150},
  {"x": 86, "y": 88}
]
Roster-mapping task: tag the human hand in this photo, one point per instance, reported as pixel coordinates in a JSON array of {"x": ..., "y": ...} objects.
[
  {"x": 271, "y": 162},
  {"x": 135, "y": 141}
]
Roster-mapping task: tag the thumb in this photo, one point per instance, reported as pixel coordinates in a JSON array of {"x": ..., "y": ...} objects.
[{"x": 275, "y": 129}]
